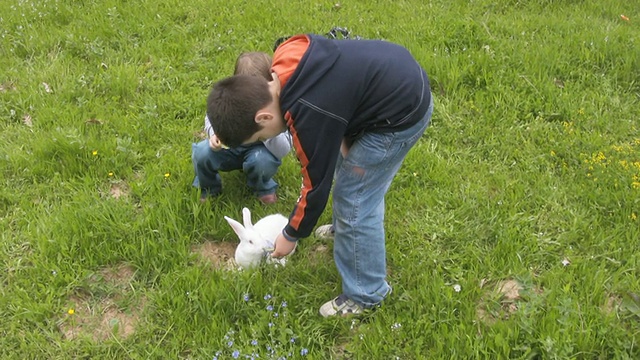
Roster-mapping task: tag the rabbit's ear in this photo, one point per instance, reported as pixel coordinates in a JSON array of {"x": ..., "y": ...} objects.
[
  {"x": 246, "y": 218},
  {"x": 236, "y": 226}
]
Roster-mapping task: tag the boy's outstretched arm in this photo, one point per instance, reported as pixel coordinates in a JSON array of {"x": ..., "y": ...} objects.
[{"x": 283, "y": 247}]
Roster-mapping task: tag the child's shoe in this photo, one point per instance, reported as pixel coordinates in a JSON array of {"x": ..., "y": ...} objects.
[
  {"x": 205, "y": 194},
  {"x": 341, "y": 306},
  {"x": 325, "y": 232},
  {"x": 268, "y": 199}
]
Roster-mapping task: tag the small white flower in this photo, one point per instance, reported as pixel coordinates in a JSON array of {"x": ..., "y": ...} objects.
[
  {"x": 565, "y": 262},
  {"x": 457, "y": 288}
]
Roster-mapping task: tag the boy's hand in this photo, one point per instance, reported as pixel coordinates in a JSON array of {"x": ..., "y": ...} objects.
[
  {"x": 283, "y": 247},
  {"x": 276, "y": 81},
  {"x": 214, "y": 143},
  {"x": 344, "y": 147}
]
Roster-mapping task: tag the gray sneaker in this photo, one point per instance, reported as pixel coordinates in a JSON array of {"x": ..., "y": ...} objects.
[
  {"x": 325, "y": 232},
  {"x": 342, "y": 306}
]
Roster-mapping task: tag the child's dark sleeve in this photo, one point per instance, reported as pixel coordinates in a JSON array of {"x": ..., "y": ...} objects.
[{"x": 316, "y": 138}]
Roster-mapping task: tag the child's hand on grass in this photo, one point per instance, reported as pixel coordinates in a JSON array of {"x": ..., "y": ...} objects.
[{"x": 215, "y": 144}]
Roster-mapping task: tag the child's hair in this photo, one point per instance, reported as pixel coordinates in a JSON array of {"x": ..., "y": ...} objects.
[
  {"x": 254, "y": 63},
  {"x": 233, "y": 102},
  {"x": 232, "y": 106}
]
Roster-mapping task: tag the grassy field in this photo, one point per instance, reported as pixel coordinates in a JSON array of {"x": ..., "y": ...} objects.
[{"x": 512, "y": 227}]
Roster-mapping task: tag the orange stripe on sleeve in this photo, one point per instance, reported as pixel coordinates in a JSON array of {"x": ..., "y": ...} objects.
[{"x": 306, "y": 180}]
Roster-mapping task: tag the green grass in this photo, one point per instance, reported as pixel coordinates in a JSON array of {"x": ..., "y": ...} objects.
[{"x": 530, "y": 172}]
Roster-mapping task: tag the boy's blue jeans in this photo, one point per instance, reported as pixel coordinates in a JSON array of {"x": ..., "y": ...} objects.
[
  {"x": 361, "y": 182},
  {"x": 257, "y": 162}
]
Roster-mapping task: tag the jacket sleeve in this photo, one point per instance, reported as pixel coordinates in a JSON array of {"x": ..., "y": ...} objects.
[
  {"x": 280, "y": 145},
  {"x": 316, "y": 138},
  {"x": 208, "y": 129}
]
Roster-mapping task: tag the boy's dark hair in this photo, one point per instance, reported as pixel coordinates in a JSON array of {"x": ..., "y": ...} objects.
[
  {"x": 232, "y": 106},
  {"x": 254, "y": 63}
]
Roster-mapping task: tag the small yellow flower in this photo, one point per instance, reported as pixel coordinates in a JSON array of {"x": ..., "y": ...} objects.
[
  {"x": 553, "y": 153},
  {"x": 94, "y": 152},
  {"x": 110, "y": 174},
  {"x": 71, "y": 311},
  {"x": 633, "y": 216},
  {"x": 166, "y": 175}
]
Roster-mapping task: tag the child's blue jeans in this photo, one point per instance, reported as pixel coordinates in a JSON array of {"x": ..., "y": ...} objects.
[
  {"x": 257, "y": 162},
  {"x": 361, "y": 182}
]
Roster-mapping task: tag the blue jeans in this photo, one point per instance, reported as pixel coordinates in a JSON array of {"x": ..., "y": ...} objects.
[
  {"x": 361, "y": 181},
  {"x": 257, "y": 162}
]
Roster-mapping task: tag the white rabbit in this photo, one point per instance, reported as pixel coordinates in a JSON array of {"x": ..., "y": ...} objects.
[{"x": 256, "y": 241}]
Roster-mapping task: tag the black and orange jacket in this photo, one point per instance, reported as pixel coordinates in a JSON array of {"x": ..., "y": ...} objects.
[{"x": 335, "y": 89}]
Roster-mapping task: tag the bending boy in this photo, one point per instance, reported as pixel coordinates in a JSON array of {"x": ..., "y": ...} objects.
[
  {"x": 353, "y": 108},
  {"x": 258, "y": 160}
]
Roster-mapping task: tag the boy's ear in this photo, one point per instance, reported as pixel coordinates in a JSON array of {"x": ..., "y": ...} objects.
[{"x": 263, "y": 115}]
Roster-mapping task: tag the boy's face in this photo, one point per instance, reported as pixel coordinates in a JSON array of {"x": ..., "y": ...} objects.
[{"x": 270, "y": 117}]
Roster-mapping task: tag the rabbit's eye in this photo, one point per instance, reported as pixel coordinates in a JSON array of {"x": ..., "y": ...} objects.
[{"x": 250, "y": 241}]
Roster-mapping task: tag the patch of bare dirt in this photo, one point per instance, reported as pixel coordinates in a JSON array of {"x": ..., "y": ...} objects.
[
  {"x": 501, "y": 301},
  {"x": 119, "y": 189},
  {"x": 340, "y": 352},
  {"x": 612, "y": 304},
  {"x": 100, "y": 318},
  {"x": 119, "y": 276},
  {"x": 319, "y": 254},
  {"x": 323, "y": 249},
  {"x": 9, "y": 86},
  {"x": 98, "y": 321},
  {"x": 220, "y": 254},
  {"x": 510, "y": 290}
]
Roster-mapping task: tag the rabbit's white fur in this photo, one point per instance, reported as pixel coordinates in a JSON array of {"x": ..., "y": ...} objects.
[{"x": 257, "y": 240}]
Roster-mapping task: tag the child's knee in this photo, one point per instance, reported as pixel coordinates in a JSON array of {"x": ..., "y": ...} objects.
[
  {"x": 262, "y": 161},
  {"x": 200, "y": 151}
]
